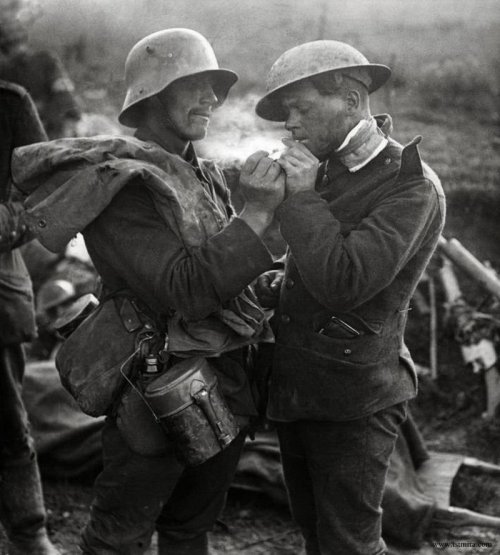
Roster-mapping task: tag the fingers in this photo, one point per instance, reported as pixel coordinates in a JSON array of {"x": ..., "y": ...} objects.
[
  {"x": 252, "y": 161},
  {"x": 290, "y": 166},
  {"x": 275, "y": 284},
  {"x": 267, "y": 288},
  {"x": 289, "y": 162},
  {"x": 264, "y": 281},
  {"x": 273, "y": 171},
  {"x": 298, "y": 150},
  {"x": 262, "y": 167}
]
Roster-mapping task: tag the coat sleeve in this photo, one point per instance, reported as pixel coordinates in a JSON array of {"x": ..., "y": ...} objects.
[
  {"x": 27, "y": 128},
  {"x": 343, "y": 272},
  {"x": 130, "y": 242},
  {"x": 13, "y": 230}
]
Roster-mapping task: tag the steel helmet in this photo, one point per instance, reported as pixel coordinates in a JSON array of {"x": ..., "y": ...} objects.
[
  {"x": 315, "y": 58},
  {"x": 158, "y": 60},
  {"x": 54, "y": 293}
]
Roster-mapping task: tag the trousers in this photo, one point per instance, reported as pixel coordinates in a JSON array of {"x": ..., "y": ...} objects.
[
  {"x": 136, "y": 494},
  {"x": 335, "y": 474},
  {"x": 16, "y": 443}
]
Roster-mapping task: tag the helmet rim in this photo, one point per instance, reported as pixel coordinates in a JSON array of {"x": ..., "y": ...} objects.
[
  {"x": 131, "y": 110},
  {"x": 269, "y": 106},
  {"x": 314, "y": 58}
]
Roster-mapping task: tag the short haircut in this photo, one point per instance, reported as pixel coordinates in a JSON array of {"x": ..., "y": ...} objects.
[{"x": 335, "y": 82}]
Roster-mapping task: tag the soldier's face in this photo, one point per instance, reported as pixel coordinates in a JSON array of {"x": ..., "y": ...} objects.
[
  {"x": 320, "y": 122},
  {"x": 189, "y": 103}
]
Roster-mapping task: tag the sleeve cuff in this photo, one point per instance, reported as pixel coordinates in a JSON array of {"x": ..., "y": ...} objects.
[
  {"x": 242, "y": 256},
  {"x": 249, "y": 243}
]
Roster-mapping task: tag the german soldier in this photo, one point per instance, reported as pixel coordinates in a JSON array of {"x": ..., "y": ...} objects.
[{"x": 168, "y": 242}]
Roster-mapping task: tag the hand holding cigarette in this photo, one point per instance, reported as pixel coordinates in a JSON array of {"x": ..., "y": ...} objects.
[
  {"x": 262, "y": 183},
  {"x": 300, "y": 167}
]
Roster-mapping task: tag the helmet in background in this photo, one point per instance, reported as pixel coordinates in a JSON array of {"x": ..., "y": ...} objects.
[{"x": 54, "y": 293}]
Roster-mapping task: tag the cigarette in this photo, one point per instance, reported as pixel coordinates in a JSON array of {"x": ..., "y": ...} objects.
[{"x": 277, "y": 152}]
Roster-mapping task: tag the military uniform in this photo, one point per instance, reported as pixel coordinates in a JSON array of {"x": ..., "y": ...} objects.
[
  {"x": 22, "y": 510},
  {"x": 195, "y": 275},
  {"x": 184, "y": 502},
  {"x": 342, "y": 374}
]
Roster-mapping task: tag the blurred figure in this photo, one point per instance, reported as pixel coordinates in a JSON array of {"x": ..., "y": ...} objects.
[
  {"x": 22, "y": 510},
  {"x": 41, "y": 73},
  {"x": 52, "y": 299},
  {"x": 57, "y": 282}
]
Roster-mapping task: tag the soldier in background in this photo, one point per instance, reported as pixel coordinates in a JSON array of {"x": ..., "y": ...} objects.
[
  {"x": 41, "y": 73},
  {"x": 22, "y": 510}
]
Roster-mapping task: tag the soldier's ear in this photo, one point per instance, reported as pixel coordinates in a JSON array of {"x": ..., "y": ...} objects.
[{"x": 353, "y": 100}]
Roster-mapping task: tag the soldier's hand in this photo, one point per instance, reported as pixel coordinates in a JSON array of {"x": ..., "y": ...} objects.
[
  {"x": 300, "y": 166},
  {"x": 262, "y": 182},
  {"x": 267, "y": 288}
]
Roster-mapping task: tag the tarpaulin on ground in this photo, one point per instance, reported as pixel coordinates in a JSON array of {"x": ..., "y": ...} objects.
[{"x": 68, "y": 444}]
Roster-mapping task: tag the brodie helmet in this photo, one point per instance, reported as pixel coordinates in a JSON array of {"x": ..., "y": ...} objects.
[{"x": 315, "y": 58}]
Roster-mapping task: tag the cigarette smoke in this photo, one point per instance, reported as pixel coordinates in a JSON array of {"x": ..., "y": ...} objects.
[{"x": 236, "y": 132}]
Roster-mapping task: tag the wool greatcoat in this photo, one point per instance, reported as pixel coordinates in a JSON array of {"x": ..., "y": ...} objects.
[
  {"x": 358, "y": 246},
  {"x": 342, "y": 375}
]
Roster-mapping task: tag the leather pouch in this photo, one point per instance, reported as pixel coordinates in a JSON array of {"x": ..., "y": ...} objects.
[{"x": 94, "y": 360}]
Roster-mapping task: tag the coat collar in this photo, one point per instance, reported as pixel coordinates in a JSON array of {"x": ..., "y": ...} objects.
[{"x": 191, "y": 157}]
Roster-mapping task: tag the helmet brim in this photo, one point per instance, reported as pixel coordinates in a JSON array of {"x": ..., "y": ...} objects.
[
  {"x": 224, "y": 79},
  {"x": 269, "y": 107}
]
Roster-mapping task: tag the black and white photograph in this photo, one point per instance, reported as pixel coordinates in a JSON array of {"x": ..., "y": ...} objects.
[{"x": 249, "y": 277}]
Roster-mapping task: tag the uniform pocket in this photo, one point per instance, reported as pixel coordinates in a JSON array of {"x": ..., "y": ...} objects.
[{"x": 364, "y": 349}]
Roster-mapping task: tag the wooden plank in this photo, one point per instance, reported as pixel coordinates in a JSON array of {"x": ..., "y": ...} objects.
[{"x": 437, "y": 475}]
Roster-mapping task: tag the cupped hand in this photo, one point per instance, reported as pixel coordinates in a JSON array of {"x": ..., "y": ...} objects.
[
  {"x": 300, "y": 166},
  {"x": 262, "y": 182}
]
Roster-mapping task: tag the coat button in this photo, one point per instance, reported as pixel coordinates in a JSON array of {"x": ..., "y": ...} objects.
[
  {"x": 42, "y": 223},
  {"x": 285, "y": 318},
  {"x": 347, "y": 352},
  {"x": 289, "y": 283},
  {"x": 387, "y": 161},
  {"x": 13, "y": 234}
]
